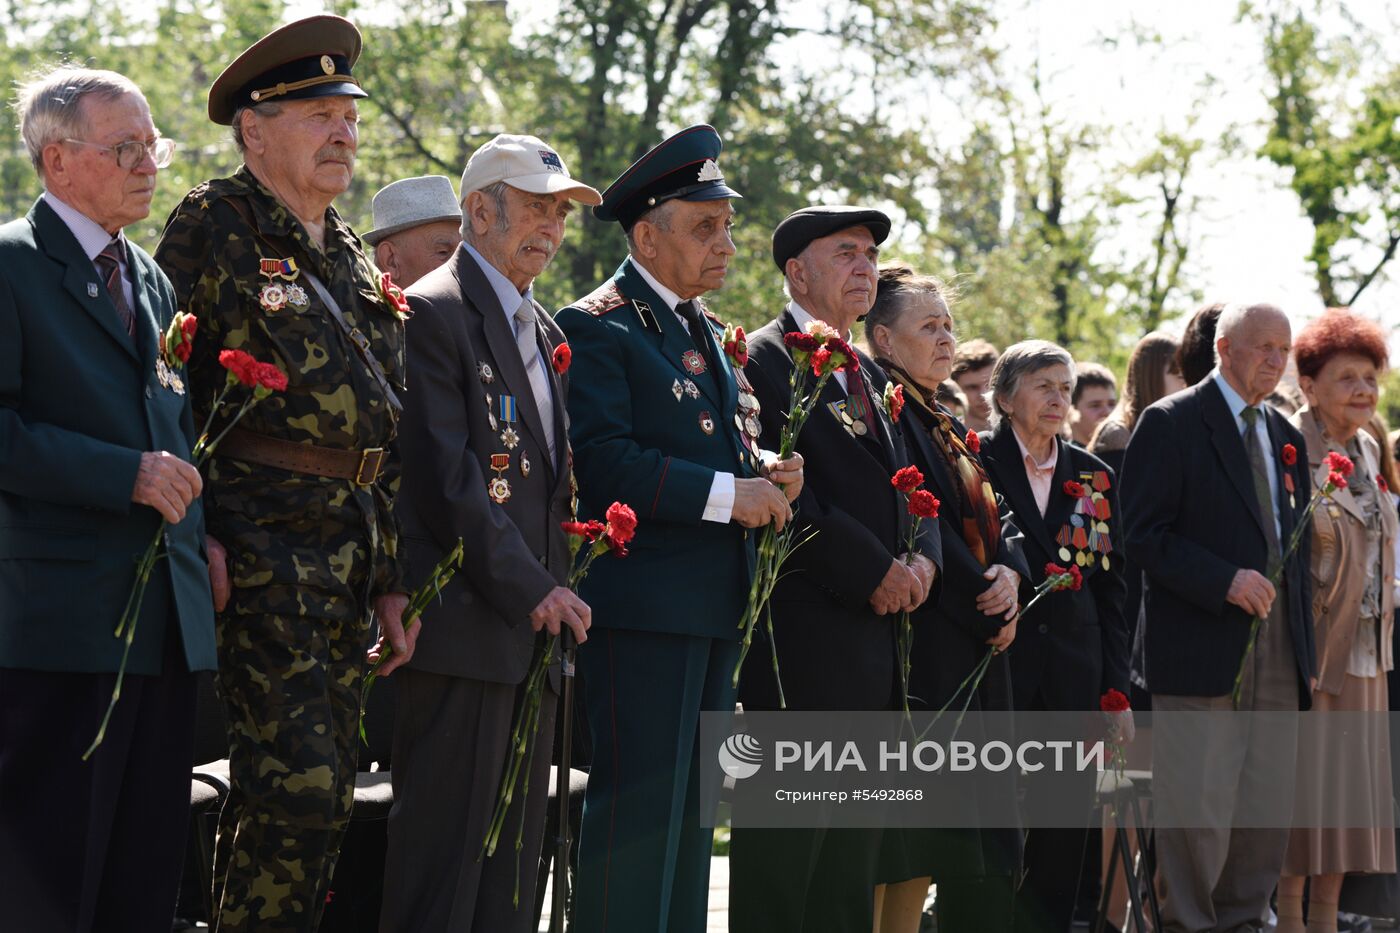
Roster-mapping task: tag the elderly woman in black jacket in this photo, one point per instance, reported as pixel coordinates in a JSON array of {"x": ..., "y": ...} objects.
[
  {"x": 910, "y": 333},
  {"x": 1073, "y": 645}
]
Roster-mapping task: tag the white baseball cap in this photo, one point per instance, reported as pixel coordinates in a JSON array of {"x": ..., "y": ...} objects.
[{"x": 523, "y": 162}]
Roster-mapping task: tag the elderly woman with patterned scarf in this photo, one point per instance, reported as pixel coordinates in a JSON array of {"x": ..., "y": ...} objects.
[{"x": 910, "y": 334}]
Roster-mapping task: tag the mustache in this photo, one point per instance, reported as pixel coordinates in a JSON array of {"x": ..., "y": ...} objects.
[
  {"x": 543, "y": 245},
  {"x": 336, "y": 152}
]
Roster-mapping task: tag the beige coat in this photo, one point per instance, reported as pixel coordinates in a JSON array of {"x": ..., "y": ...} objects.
[{"x": 1338, "y": 577}]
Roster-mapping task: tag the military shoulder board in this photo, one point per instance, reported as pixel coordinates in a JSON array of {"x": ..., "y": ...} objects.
[{"x": 602, "y": 301}]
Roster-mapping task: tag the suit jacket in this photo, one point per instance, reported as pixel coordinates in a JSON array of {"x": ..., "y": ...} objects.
[
  {"x": 950, "y": 637},
  {"x": 833, "y": 650},
  {"x": 465, "y": 362},
  {"x": 640, "y": 438},
  {"x": 1337, "y": 568},
  {"x": 1073, "y": 645},
  {"x": 79, "y": 403},
  {"x": 1191, "y": 521}
]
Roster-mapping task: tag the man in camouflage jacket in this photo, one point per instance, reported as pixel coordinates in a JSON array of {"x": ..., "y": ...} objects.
[{"x": 299, "y": 494}]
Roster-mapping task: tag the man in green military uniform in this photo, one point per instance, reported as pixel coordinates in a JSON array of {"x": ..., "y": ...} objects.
[{"x": 299, "y": 494}]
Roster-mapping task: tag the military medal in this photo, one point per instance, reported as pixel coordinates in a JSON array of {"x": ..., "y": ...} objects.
[
  {"x": 693, "y": 362},
  {"x": 279, "y": 269},
  {"x": 524, "y": 464},
  {"x": 297, "y": 297},
  {"x": 692, "y": 389},
  {"x": 273, "y": 297},
  {"x": 508, "y": 413},
  {"x": 1087, "y": 532},
  {"x": 483, "y": 370},
  {"x": 168, "y": 377},
  {"x": 707, "y": 424},
  {"x": 677, "y": 390},
  {"x": 510, "y": 438},
  {"x": 499, "y": 488}
]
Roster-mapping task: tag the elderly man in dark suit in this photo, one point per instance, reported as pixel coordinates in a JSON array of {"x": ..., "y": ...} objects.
[
  {"x": 1209, "y": 502},
  {"x": 486, "y": 459},
  {"x": 835, "y": 612},
  {"x": 93, "y": 451}
]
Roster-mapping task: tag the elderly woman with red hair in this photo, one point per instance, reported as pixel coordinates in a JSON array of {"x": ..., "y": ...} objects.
[{"x": 1344, "y": 773}]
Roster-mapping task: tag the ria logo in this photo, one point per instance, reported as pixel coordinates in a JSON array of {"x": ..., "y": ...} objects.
[{"x": 741, "y": 756}]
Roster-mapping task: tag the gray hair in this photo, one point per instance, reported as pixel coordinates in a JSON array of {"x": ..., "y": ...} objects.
[
  {"x": 268, "y": 108},
  {"x": 1232, "y": 318},
  {"x": 496, "y": 191},
  {"x": 48, "y": 105},
  {"x": 658, "y": 216},
  {"x": 1020, "y": 360}
]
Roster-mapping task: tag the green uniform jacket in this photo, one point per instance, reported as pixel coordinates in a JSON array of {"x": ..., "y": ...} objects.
[
  {"x": 639, "y": 437},
  {"x": 79, "y": 404},
  {"x": 226, "y": 243}
]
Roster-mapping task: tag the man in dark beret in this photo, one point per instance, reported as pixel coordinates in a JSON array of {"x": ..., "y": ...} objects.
[
  {"x": 303, "y": 544},
  {"x": 838, "y": 603},
  {"x": 663, "y": 420}
]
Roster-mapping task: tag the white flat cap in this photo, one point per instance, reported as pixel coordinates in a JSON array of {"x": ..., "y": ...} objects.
[
  {"x": 409, "y": 202},
  {"x": 523, "y": 162}
]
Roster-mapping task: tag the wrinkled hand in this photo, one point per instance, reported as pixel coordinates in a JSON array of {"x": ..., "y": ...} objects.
[
  {"x": 758, "y": 502},
  {"x": 562, "y": 605},
  {"x": 167, "y": 484},
  {"x": 1121, "y": 728},
  {"x": 1003, "y": 639},
  {"x": 926, "y": 571},
  {"x": 899, "y": 590},
  {"x": 218, "y": 572},
  {"x": 389, "y": 610},
  {"x": 786, "y": 473},
  {"x": 1252, "y": 592},
  {"x": 999, "y": 599}
]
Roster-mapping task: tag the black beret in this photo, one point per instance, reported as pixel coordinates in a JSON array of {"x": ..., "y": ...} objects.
[
  {"x": 812, "y": 223},
  {"x": 311, "y": 57}
]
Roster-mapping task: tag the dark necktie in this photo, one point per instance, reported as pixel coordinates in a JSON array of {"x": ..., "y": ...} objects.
[
  {"x": 1259, "y": 467},
  {"x": 109, "y": 263},
  {"x": 700, "y": 333}
]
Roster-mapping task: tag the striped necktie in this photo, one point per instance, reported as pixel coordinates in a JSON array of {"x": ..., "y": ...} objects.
[{"x": 109, "y": 262}]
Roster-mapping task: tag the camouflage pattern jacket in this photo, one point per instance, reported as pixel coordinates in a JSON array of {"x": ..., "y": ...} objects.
[{"x": 226, "y": 242}]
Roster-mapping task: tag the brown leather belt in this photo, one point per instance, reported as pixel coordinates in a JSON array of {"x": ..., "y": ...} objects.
[{"x": 361, "y": 467}]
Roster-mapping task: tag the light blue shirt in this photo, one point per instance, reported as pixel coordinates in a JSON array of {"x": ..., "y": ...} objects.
[
  {"x": 1237, "y": 405},
  {"x": 93, "y": 239}
]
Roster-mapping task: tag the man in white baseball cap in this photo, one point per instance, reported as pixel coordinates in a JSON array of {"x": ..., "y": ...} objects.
[
  {"x": 486, "y": 460},
  {"x": 417, "y": 225}
]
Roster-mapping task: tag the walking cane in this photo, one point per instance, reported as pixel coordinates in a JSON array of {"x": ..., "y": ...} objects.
[{"x": 561, "y": 784}]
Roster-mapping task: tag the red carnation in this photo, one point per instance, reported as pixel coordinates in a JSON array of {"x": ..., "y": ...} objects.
[
  {"x": 561, "y": 359},
  {"x": 1076, "y": 578},
  {"x": 1336, "y": 480},
  {"x": 907, "y": 479},
  {"x": 1290, "y": 455},
  {"x": 974, "y": 443},
  {"x": 1381, "y": 483},
  {"x": 799, "y": 342},
  {"x": 1114, "y": 702},
  {"x": 820, "y": 360},
  {"x": 896, "y": 403},
  {"x": 736, "y": 346},
  {"x": 1076, "y": 490},
  {"x": 1070, "y": 579},
  {"x": 593, "y": 529},
  {"x": 923, "y": 504},
  {"x": 241, "y": 367},
  {"x": 394, "y": 296},
  {"x": 269, "y": 377},
  {"x": 838, "y": 346},
  {"x": 1339, "y": 463},
  {"x": 575, "y": 529},
  {"x": 622, "y": 523},
  {"x": 189, "y": 325}
]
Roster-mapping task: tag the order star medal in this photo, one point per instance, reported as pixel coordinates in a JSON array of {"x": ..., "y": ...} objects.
[
  {"x": 168, "y": 377},
  {"x": 499, "y": 488},
  {"x": 273, "y": 297},
  {"x": 510, "y": 438},
  {"x": 693, "y": 362},
  {"x": 297, "y": 297}
]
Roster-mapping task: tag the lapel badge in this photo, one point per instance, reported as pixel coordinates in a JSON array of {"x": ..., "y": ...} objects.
[
  {"x": 676, "y": 390},
  {"x": 692, "y": 389},
  {"x": 92, "y": 289},
  {"x": 693, "y": 362},
  {"x": 499, "y": 488},
  {"x": 483, "y": 369},
  {"x": 707, "y": 424},
  {"x": 273, "y": 297},
  {"x": 644, "y": 314},
  {"x": 524, "y": 464},
  {"x": 510, "y": 438}
]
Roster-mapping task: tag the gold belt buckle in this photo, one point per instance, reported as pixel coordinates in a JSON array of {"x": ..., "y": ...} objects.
[{"x": 378, "y": 464}]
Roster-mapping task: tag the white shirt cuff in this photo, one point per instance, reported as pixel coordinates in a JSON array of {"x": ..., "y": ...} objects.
[{"x": 720, "y": 506}]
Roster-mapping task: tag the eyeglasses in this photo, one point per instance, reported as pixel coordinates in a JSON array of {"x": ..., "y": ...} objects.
[{"x": 130, "y": 154}]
